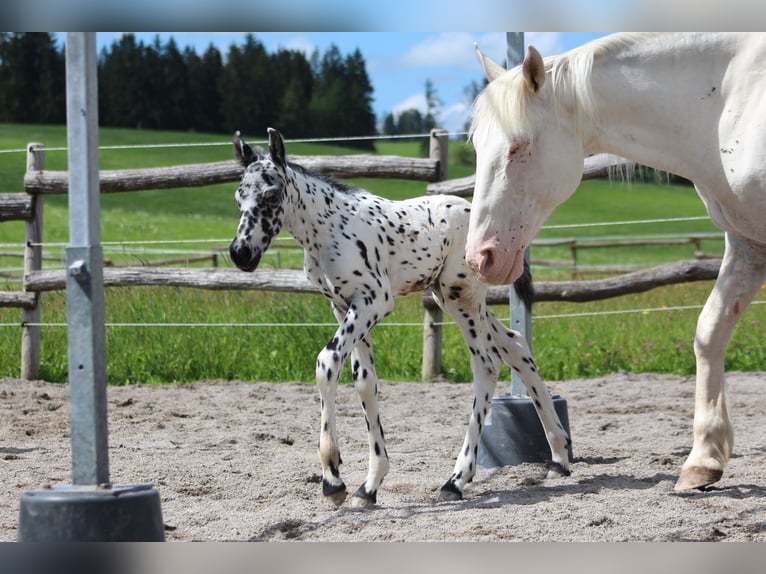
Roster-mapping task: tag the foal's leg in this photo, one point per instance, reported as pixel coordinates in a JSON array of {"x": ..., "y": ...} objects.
[
  {"x": 354, "y": 326},
  {"x": 513, "y": 349},
  {"x": 366, "y": 384},
  {"x": 471, "y": 319},
  {"x": 328, "y": 365},
  {"x": 742, "y": 273}
]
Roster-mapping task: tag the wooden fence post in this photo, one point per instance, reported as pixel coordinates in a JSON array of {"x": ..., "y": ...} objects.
[
  {"x": 33, "y": 251},
  {"x": 432, "y": 328}
]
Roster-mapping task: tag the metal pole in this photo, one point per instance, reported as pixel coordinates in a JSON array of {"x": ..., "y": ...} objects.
[
  {"x": 85, "y": 282},
  {"x": 90, "y": 509},
  {"x": 521, "y": 320},
  {"x": 513, "y": 433}
]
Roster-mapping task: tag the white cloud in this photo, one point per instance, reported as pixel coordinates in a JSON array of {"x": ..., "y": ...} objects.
[
  {"x": 300, "y": 43},
  {"x": 453, "y": 49},
  {"x": 454, "y": 118},
  {"x": 456, "y": 49},
  {"x": 416, "y": 101},
  {"x": 547, "y": 43}
]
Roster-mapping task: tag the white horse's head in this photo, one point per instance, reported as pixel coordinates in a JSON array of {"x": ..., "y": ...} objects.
[{"x": 529, "y": 159}]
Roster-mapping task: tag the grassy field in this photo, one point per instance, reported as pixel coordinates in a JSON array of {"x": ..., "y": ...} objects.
[{"x": 659, "y": 341}]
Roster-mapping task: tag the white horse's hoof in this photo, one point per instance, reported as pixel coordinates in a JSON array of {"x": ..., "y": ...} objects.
[{"x": 697, "y": 477}]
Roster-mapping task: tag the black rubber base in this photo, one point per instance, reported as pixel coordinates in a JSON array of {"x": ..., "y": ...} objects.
[
  {"x": 71, "y": 513},
  {"x": 513, "y": 433}
]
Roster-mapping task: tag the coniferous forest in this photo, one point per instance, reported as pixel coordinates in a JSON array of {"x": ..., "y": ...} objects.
[{"x": 163, "y": 86}]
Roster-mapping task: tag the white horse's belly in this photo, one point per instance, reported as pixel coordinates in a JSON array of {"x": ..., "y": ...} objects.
[
  {"x": 737, "y": 200},
  {"x": 738, "y": 213}
]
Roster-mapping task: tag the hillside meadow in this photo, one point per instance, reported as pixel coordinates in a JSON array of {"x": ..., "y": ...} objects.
[{"x": 158, "y": 335}]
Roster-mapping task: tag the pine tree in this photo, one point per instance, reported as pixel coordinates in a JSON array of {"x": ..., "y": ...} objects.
[
  {"x": 433, "y": 105},
  {"x": 326, "y": 99},
  {"x": 204, "y": 98},
  {"x": 389, "y": 125},
  {"x": 294, "y": 81},
  {"x": 175, "y": 103},
  {"x": 158, "y": 86},
  {"x": 248, "y": 97},
  {"x": 360, "y": 119},
  {"x": 32, "y": 79},
  {"x": 121, "y": 100}
]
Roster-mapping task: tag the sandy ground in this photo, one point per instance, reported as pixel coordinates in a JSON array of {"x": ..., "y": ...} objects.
[{"x": 237, "y": 461}]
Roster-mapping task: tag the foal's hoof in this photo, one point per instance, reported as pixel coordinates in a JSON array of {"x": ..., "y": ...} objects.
[
  {"x": 362, "y": 498},
  {"x": 697, "y": 477},
  {"x": 450, "y": 493},
  {"x": 335, "y": 493},
  {"x": 557, "y": 470}
]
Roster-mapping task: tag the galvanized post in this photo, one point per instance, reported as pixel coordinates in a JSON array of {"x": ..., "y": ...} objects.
[
  {"x": 521, "y": 320},
  {"x": 90, "y": 509},
  {"x": 84, "y": 281},
  {"x": 512, "y": 431}
]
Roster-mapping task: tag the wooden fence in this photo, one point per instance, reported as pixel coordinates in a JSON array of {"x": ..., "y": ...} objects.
[{"x": 38, "y": 182}]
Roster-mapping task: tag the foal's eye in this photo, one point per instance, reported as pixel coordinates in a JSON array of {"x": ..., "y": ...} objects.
[{"x": 272, "y": 196}]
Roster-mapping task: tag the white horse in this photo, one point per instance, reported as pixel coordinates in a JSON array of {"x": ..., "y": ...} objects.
[{"x": 690, "y": 104}]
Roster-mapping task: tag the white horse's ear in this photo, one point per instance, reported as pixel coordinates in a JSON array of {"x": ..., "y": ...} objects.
[
  {"x": 277, "y": 148},
  {"x": 534, "y": 69},
  {"x": 492, "y": 70},
  {"x": 243, "y": 153}
]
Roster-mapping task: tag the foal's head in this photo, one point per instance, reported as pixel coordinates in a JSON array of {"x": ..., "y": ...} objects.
[{"x": 260, "y": 198}]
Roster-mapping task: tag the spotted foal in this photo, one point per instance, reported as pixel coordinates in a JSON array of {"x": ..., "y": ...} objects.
[{"x": 362, "y": 251}]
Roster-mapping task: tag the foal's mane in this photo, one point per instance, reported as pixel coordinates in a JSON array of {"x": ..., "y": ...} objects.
[
  {"x": 505, "y": 100},
  {"x": 334, "y": 183}
]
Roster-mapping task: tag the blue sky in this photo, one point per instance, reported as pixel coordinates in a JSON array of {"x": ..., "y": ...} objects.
[{"x": 398, "y": 63}]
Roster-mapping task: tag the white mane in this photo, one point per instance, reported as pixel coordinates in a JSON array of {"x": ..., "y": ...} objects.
[{"x": 505, "y": 100}]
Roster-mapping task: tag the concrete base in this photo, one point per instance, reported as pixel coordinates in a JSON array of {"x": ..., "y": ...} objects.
[
  {"x": 73, "y": 513},
  {"x": 513, "y": 433}
]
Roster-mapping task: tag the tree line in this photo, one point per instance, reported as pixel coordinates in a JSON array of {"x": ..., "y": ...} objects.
[{"x": 161, "y": 86}]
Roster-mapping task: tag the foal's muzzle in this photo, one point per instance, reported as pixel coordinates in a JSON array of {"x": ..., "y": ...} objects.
[{"x": 244, "y": 257}]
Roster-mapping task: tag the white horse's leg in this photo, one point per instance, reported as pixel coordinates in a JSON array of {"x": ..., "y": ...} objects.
[
  {"x": 514, "y": 351},
  {"x": 355, "y": 325},
  {"x": 742, "y": 273},
  {"x": 471, "y": 319},
  {"x": 366, "y": 384}
]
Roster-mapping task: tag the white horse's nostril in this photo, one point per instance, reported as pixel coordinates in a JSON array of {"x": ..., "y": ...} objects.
[{"x": 486, "y": 259}]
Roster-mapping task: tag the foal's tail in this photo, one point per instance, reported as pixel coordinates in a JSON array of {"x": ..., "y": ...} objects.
[{"x": 524, "y": 288}]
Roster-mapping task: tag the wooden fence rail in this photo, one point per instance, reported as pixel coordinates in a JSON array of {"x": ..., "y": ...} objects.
[
  {"x": 295, "y": 281},
  {"x": 198, "y": 175},
  {"x": 582, "y": 291},
  {"x": 594, "y": 166},
  {"x": 38, "y": 182},
  {"x": 575, "y": 245}
]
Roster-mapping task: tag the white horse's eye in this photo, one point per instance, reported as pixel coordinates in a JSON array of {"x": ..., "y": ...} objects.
[{"x": 517, "y": 148}]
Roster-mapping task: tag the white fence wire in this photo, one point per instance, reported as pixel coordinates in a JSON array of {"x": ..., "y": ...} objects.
[{"x": 128, "y": 247}]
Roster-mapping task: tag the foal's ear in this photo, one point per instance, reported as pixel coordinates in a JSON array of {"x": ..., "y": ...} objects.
[
  {"x": 534, "y": 69},
  {"x": 492, "y": 70},
  {"x": 277, "y": 148},
  {"x": 243, "y": 153}
]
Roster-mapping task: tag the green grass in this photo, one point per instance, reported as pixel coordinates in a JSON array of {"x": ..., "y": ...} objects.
[{"x": 564, "y": 347}]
